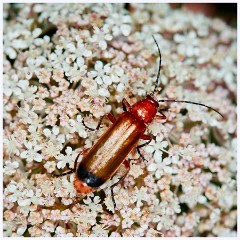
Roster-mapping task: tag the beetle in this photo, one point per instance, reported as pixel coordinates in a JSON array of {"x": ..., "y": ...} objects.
[{"x": 104, "y": 158}]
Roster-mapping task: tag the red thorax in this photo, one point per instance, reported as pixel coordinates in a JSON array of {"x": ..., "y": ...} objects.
[{"x": 145, "y": 110}]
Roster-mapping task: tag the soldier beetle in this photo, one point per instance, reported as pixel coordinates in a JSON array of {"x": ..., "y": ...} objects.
[{"x": 103, "y": 159}]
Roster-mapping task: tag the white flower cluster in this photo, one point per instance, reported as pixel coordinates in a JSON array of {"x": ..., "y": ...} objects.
[{"x": 65, "y": 63}]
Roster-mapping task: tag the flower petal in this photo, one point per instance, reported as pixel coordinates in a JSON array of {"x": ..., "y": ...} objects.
[
  {"x": 24, "y": 154},
  {"x": 152, "y": 167},
  {"x": 38, "y": 157}
]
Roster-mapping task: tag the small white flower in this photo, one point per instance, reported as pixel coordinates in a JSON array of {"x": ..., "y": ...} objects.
[
  {"x": 65, "y": 159},
  {"x": 188, "y": 44},
  {"x": 77, "y": 126},
  {"x": 164, "y": 222},
  {"x": 99, "y": 231},
  {"x": 157, "y": 146},
  {"x": 76, "y": 72},
  {"x": 117, "y": 75},
  {"x": 161, "y": 167},
  {"x": 36, "y": 196},
  {"x": 51, "y": 149},
  {"x": 10, "y": 167},
  {"x": 140, "y": 195},
  {"x": 11, "y": 145},
  {"x": 94, "y": 205},
  {"x": 58, "y": 59},
  {"x": 120, "y": 24},
  {"x": 32, "y": 65},
  {"x": 188, "y": 152},
  {"x": 67, "y": 188},
  {"x": 78, "y": 53},
  {"x": 228, "y": 72},
  {"x": 101, "y": 35},
  {"x": 127, "y": 223},
  {"x": 10, "y": 85},
  {"x": 32, "y": 153},
  {"x": 19, "y": 39},
  {"x": 54, "y": 135},
  {"x": 101, "y": 73},
  {"x": 61, "y": 232},
  {"x": 50, "y": 166}
]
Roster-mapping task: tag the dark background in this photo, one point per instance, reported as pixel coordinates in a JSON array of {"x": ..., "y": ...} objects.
[{"x": 225, "y": 11}]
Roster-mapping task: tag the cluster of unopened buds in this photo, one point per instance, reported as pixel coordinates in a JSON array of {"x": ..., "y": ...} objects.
[{"x": 66, "y": 66}]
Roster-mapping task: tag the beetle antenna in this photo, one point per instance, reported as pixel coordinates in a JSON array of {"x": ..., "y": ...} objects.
[
  {"x": 200, "y": 104},
  {"x": 159, "y": 67}
]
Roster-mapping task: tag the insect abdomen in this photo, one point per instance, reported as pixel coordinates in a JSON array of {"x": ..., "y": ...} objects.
[{"x": 89, "y": 178}]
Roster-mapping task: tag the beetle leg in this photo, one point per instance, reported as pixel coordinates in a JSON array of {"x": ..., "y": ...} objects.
[
  {"x": 76, "y": 159},
  {"x": 162, "y": 116},
  {"x": 144, "y": 137},
  {"x": 63, "y": 174},
  {"x": 110, "y": 117},
  {"x": 126, "y": 105},
  {"x": 127, "y": 165}
]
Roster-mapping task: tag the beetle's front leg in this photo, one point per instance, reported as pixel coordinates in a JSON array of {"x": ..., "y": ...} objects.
[
  {"x": 144, "y": 137},
  {"x": 109, "y": 116},
  {"x": 162, "y": 116},
  {"x": 126, "y": 105}
]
